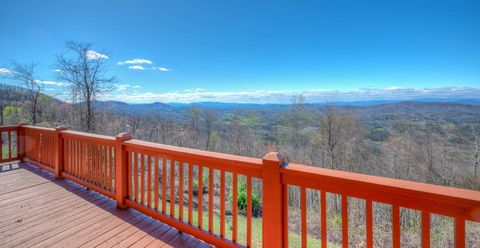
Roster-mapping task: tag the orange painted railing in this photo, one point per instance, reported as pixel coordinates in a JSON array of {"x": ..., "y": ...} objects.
[{"x": 169, "y": 183}]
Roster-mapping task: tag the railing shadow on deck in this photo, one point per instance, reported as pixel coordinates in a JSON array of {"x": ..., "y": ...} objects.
[
  {"x": 125, "y": 215},
  {"x": 10, "y": 166}
]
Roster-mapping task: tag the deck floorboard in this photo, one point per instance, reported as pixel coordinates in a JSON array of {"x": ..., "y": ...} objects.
[{"x": 38, "y": 211}]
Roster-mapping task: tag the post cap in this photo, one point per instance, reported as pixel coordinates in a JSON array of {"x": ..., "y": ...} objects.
[
  {"x": 275, "y": 157},
  {"x": 123, "y": 136},
  {"x": 61, "y": 128}
]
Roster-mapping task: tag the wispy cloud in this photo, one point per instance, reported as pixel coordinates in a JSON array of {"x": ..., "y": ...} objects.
[
  {"x": 136, "y": 67},
  {"x": 95, "y": 55},
  {"x": 139, "y": 64},
  {"x": 135, "y": 62},
  {"x": 264, "y": 96},
  {"x": 123, "y": 87},
  {"x": 6, "y": 71},
  {"x": 51, "y": 83},
  {"x": 162, "y": 69}
]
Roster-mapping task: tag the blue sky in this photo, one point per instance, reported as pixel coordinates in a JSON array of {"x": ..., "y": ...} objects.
[{"x": 256, "y": 51}]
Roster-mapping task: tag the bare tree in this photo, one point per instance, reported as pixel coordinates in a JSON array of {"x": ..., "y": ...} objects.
[
  {"x": 209, "y": 116},
  {"x": 84, "y": 70},
  {"x": 476, "y": 152},
  {"x": 25, "y": 74},
  {"x": 194, "y": 124}
]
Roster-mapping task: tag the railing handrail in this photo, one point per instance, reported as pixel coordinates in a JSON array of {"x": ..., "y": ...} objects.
[
  {"x": 8, "y": 128},
  {"x": 250, "y": 166},
  {"x": 45, "y": 129},
  {"x": 88, "y": 136},
  {"x": 415, "y": 195}
]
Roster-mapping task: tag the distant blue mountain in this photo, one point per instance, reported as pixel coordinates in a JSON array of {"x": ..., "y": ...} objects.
[{"x": 345, "y": 103}]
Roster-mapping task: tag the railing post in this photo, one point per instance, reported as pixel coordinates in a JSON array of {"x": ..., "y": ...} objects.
[
  {"x": 272, "y": 200},
  {"x": 59, "y": 151},
  {"x": 121, "y": 186},
  {"x": 21, "y": 141}
]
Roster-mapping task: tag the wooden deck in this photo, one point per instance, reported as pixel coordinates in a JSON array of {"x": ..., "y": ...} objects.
[{"x": 38, "y": 211}]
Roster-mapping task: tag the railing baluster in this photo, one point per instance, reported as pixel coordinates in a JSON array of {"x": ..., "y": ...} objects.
[
  {"x": 190, "y": 193},
  {"x": 396, "y": 226},
  {"x": 210, "y": 199},
  {"x": 73, "y": 157},
  {"x": 142, "y": 178},
  {"x": 344, "y": 221},
  {"x": 135, "y": 176},
  {"x": 222, "y": 203},
  {"x": 78, "y": 159},
  {"x": 129, "y": 175},
  {"x": 369, "y": 223},
  {"x": 172, "y": 188},
  {"x": 155, "y": 190},
  {"x": 303, "y": 212},
  {"x": 200, "y": 196},
  {"x": 249, "y": 211},
  {"x": 285, "y": 214},
  {"x": 66, "y": 156},
  {"x": 323, "y": 213},
  {"x": 234, "y": 206},
  {"x": 84, "y": 163},
  {"x": 425, "y": 229},
  {"x": 180, "y": 190},
  {"x": 459, "y": 232},
  {"x": 96, "y": 157},
  {"x": 90, "y": 163},
  {"x": 109, "y": 171},
  {"x": 111, "y": 160},
  {"x": 101, "y": 160},
  {"x": 100, "y": 171},
  {"x": 95, "y": 164},
  {"x": 149, "y": 181},
  {"x": 9, "y": 144},
  {"x": 164, "y": 186},
  {"x": 86, "y": 157}
]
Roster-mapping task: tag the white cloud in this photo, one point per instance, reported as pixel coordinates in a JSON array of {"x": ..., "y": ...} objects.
[
  {"x": 162, "y": 69},
  {"x": 95, "y": 55},
  {"x": 6, "y": 71},
  {"x": 53, "y": 83},
  {"x": 138, "y": 64},
  {"x": 136, "y": 67},
  {"x": 122, "y": 87},
  {"x": 135, "y": 62},
  {"x": 261, "y": 96},
  {"x": 57, "y": 70}
]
